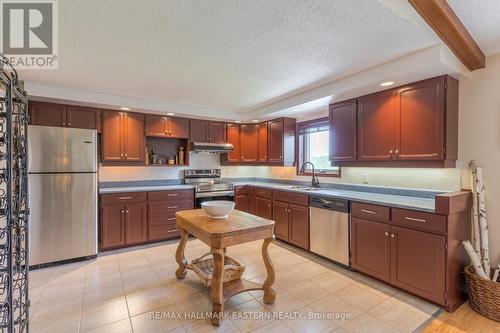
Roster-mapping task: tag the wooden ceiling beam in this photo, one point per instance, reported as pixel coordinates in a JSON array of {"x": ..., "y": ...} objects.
[{"x": 442, "y": 19}]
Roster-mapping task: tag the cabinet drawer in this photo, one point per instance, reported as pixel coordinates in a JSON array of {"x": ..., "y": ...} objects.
[
  {"x": 263, "y": 193},
  {"x": 173, "y": 195},
  {"x": 123, "y": 198},
  {"x": 163, "y": 232},
  {"x": 370, "y": 212},
  {"x": 289, "y": 197},
  {"x": 243, "y": 190},
  {"x": 419, "y": 220},
  {"x": 161, "y": 212}
]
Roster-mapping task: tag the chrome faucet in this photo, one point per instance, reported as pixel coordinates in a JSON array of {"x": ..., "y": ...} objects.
[{"x": 314, "y": 181}]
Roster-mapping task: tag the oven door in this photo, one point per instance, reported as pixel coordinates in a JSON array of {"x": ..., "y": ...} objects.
[{"x": 211, "y": 196}]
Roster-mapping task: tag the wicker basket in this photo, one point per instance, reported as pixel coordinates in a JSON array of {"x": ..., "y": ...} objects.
[
  {"x": 233, "y": 270},
  {"x": 484, "y": 294}
]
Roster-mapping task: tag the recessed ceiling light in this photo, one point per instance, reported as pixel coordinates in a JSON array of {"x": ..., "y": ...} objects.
[
  {"x": 237, "y": 121},
  {"x": 170, "y": 114},
  {"x": 255, "y": 121},
  {"x": 124, "y": 108},
  {"x": 386, "y": 84}
]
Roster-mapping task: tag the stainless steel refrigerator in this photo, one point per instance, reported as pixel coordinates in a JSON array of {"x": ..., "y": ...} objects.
[{"x": 62, "y": 184}]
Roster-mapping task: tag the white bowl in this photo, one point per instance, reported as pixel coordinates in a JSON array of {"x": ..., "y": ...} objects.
[{"x": 218, "y": 209}]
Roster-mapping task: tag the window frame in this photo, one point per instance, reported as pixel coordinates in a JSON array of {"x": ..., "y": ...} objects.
[{"x": 304, "y": 126}]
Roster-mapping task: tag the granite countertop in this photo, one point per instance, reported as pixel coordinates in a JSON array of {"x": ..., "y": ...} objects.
[
  {"x": 398, "y": 201},
  {"x": 414, "y": 202}
]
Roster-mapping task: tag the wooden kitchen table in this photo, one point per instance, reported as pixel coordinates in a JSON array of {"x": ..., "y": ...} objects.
[{"x": 238, "y": 228}]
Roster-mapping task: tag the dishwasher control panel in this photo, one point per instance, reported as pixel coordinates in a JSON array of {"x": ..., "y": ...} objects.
[{"x": 335, "y": 204}]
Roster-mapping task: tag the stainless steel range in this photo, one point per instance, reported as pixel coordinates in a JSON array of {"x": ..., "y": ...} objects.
[{"x": 208, "y": 185}]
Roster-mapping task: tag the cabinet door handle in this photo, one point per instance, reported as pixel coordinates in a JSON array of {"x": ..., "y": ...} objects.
[
  {"x": 392, "y": 235},
  {"x": 396, "y": 152},
  {"x": 126, "y": 155},
  {"x": 415, "y": 219},
  {"x": 69, "y": 124},
  {"x": 170, "y": 207},
  {"x": 123, "y": 211},
  {"x": 368, "y": 211},
  {"x": 172, "y": 230},
  {"x": 386, "y": 233},
  {"x": 171, "y": 219},
  {"x": 172, "y": 195},
  {"x": 64, "y": 124},
  {"x": 124, "y": 198}
]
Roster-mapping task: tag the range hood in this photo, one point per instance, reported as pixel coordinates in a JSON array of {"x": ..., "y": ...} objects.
[{"x": 208, "y": 147}]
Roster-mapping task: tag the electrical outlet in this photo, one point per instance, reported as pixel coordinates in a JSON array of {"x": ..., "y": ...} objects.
[{"x": 365, "y": 178}]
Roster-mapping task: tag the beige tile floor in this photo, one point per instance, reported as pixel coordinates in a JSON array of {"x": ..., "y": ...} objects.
[{"x": 121, "y": 292}]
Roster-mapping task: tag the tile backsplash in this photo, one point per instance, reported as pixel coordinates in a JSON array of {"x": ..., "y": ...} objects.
[{"x": 448, "y": 179}]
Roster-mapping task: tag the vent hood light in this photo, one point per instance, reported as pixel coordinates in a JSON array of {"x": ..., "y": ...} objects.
[
  {"x": 237, "y": 121},
  {"x": 124, "y": 108},
  {"x": 255, "y": 121},
  {"x": 387, "y": 84},
  {"x": 170, "y": 114}
]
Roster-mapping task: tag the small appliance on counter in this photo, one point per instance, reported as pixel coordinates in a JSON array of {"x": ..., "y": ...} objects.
[
  {"x": 208, "y": 186},
  {"x": 62, "y": 168}
]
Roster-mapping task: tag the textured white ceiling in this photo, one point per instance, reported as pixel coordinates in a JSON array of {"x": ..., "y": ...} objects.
[
  {"x": 233, "y": 55},
  {"x": 482, "y": 20}
]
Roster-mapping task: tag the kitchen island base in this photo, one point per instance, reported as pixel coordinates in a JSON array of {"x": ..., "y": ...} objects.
[{"x": 238, "y": 228}]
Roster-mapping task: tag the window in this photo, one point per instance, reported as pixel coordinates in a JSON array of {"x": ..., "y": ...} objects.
[{"x": 313, "y": 144}]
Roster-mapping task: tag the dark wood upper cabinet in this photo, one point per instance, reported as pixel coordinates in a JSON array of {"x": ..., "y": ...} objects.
[
  {"x": 112, "y": 145},
  {"x": 299, "y": 226},
  {"x": 413, "y": 125},
  {"x": 171, "y": 127},
  {"x": 275, "y": 140},
  {"x": 262, "y": 150},
  {"x": 156, "y": 126},
  {"x": 123, "y": 137},
  {"x": 370, "y": 246},
  {"x": 233, "y": 137},
  {"x": 249, "y": 142},
  {"x": 62, "y": 115},
  {"x": 376, "y": 130},
  {"x": 199, "y": 130},
  {"x": 47, "y": 114},
  {"x": 216, "y": 132},
  {"x": 420, "y": 120},
  {"x": 178, "y": 127},
  {"x": 82, "y": 117},
  {"x": 342, "y": 131},
  {"x": 418, "y": 263},
  {"x": 133, "y": 137}
]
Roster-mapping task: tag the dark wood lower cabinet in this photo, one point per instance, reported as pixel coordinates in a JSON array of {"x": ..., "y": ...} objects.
[
  {"x": 263, "y": 208},
  {"x": 418, "y": 263},
  {"x": 370, "y": 247},
  {"x": 113, "y": 229},
  {"x": 418, "y": 252},
  {"x": 280, "y": 215},
  {"x": 136, "y": 227},
  {"x": 299, "y": 226},
  {"x": 140, "y": 217}
]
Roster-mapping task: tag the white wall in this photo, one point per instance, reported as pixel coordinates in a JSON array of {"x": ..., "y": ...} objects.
[
  {"x": 431, "y": 179},
  {"x": 479, "y": 139}
]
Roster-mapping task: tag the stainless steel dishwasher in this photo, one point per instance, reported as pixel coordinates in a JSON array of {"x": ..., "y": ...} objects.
[{"x": 330, "y": 223}]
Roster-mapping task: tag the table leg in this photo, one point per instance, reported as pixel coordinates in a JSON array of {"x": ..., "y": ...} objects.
[
  {"x": 179, "y": 255},
  {"x": 269, "y": 293},
  {"x": 216, "y": 294}
]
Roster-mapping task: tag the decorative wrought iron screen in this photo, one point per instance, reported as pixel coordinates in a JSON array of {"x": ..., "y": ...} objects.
[{"x": 14, "y": 211}]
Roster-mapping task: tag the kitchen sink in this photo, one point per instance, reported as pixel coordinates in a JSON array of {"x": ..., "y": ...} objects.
[{"x": 303, "y": 188}]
